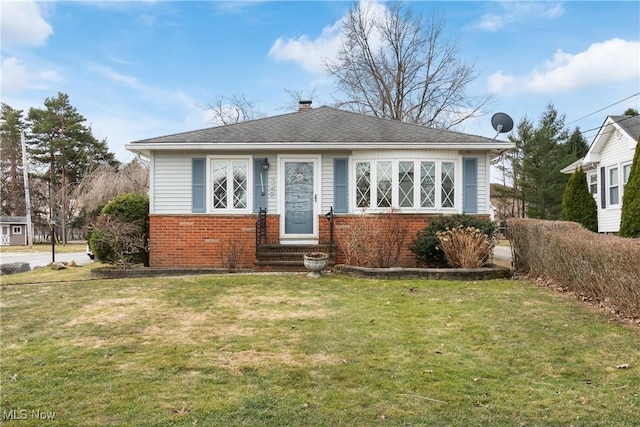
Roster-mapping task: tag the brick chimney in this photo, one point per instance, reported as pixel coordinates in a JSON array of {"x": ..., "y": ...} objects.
[{"x": 304, "y": 105}]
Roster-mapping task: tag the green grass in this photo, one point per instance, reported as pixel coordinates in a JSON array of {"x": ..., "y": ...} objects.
[{"x": 285, "y": 350}]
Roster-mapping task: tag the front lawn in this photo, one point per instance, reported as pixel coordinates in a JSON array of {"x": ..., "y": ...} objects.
[{"x": 285, "y": 350}]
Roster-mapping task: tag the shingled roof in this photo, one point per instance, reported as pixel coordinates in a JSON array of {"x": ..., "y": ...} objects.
[
  {"x": 322, "y": 125},
  {"x": 629, "y": 124}
]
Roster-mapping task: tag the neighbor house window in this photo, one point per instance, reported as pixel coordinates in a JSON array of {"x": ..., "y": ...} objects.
[
  {"x": 614, "y": 188},
  {"x": 626, "y": 170},
  {"x": 229, "y": 184},
  {"x": 382, "y": 184},
  {"x": 593, "y": 183},
  {"x": 17, "y": 229}
]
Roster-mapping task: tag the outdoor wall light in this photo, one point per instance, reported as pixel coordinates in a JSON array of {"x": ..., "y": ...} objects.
[{"x": 265, "y": 164}]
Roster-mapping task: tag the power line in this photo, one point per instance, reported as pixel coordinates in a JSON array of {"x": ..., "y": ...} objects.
[{"x": 608, "y": 106}]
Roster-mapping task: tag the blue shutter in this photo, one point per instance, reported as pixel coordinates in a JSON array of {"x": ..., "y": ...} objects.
[
  {"x": 340, "y": 185},
  {"x": 470, "y": 184},
  {"x": 260, "y": 185},
  {"x": 198, "y": 186}
]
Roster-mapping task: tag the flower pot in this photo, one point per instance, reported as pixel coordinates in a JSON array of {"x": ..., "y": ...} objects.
[{"x": 315, "y": 262}]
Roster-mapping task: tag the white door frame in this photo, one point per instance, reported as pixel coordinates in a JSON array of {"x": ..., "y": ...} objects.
[{"x": 299, "y": 238}]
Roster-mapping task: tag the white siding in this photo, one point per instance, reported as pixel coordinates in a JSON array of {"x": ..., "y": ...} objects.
[
  {"x": 171, "y": 183},
  {"x": 483, "y": 184},
  {"x": 170, "y": 187},
  {"x": 616, "y": 152}
]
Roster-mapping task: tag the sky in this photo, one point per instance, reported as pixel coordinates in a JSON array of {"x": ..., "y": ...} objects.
[{"x": 142, "y": 69}]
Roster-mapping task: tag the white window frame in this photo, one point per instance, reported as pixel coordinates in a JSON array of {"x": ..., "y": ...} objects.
[
  {"x": 593, "y": 183},
  {"x": 395, "y": 185},
  {"x": 613, "y": 171},
  {"x": 625, "y": 177},
  {"x": 17, "y": 229},
  {"x": 248, "y": 160}
]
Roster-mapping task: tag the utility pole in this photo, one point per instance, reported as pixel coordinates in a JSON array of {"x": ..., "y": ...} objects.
[{"x": 27, "y": 201}]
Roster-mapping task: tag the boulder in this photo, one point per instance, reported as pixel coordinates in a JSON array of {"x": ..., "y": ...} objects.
[
  {"x": 14, "y": 267},
  {"x": 58, "y": 266}
]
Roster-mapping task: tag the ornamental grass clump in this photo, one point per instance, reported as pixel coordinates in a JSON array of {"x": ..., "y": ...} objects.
[{"x": 465, "y": 247}]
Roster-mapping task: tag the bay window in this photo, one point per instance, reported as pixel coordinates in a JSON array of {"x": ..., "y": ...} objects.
[
  {"x": 406, "y": 184},
  {"x": 447, "y": 184}
]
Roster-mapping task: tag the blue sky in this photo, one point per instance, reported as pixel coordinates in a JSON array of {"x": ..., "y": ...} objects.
[{"x": 142, "y": 69}]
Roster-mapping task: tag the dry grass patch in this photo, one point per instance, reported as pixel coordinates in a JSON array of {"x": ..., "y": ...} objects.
[{"x": 286, "y": 350}]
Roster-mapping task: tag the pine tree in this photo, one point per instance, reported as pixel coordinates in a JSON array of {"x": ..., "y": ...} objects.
[
  {"x": 12, "y": 188},
  {"x": 64, "y": 150},
  {"x": 543, "y": 155},
  {"x": 630, "y": 222},
  {"x": 577, "y": 144},
  {"x": 578, "y": 204}
]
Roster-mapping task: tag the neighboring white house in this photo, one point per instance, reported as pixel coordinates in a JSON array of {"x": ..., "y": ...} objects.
[{"x": 607, "y": 165}]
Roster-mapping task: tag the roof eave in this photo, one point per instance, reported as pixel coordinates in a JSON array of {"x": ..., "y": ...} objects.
[{"x": 313, "y": 146}]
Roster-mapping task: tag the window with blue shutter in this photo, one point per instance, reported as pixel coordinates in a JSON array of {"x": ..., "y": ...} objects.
[
  {"x": 470, "y": 185},
  {"x": 198, "y": 186},
  {"x": 340, "y": 185}
]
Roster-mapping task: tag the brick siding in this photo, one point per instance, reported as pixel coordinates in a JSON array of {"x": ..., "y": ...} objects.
[{"x": 223, "y": 241}]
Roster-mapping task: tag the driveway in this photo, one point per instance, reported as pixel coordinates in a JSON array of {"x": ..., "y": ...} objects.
[
  {"x": 503, "y": 252},
  {"x": 42, "y": 259}
]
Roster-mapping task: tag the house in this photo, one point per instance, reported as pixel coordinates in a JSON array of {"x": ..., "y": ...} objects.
[
  {"x": 607, "y": 165},
  {"x": 222, "y": 196},
  {"x": 14, "y": 230}
]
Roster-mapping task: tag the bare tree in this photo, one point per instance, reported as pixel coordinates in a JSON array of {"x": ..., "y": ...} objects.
[
  {"x": 236, "y": 109},
  {"x": 396, "y": 65},
  {"x": 107, "y": 182}
]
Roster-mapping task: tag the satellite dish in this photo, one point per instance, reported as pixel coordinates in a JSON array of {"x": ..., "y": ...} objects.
[{"x": 501, "y": 123}]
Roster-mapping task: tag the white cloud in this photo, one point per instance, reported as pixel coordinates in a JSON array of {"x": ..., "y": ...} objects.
[
  {"x": 23, "y": 24},
  {"x": 311, "y": 54},
  {"x": 16, "y": 76},
  {"x": 607, "y": 62},
  {"x": 515, "y": 12},
  {"x": 110, "y": 74}
]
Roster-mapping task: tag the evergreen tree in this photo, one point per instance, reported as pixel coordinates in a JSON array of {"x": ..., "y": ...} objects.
[
  {"x": 64, "y": 150},
  {"x": 12, "y": 188},
  {"x": 578, "y": 204},
  {"x": 577, "y": 145},
  {"x": 543, "y": 156},
  {"x": 630, "y": 222}
]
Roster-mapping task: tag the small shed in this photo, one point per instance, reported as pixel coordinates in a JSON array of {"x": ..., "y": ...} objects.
[{"x": 14, "y": 230}]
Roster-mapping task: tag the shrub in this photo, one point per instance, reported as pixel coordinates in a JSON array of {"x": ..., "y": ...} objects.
[
  {"x": 373, "y": 240},
  {"x": 578, "y": 205},
  {"x": 630, "y": 222},
  {"x": 465, "y": 247},
  {"x": 598, "y": 267},
  {"x": 121, "y": 232},
  {"x": 426, "y": 244},
  {"x": 115, "y": 241}
]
